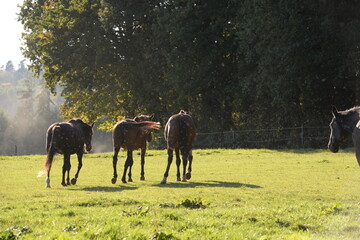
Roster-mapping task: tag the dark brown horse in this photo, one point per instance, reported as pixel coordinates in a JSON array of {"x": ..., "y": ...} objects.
[
  {"x": 344, "y": 124},
  {"x": 132, "y": 135},
  {"x": 67, "y": 138},
  {"x": 179, "y": 134}
]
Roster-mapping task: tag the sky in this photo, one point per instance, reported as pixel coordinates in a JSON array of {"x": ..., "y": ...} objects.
[{"x": 11, "y": 30}]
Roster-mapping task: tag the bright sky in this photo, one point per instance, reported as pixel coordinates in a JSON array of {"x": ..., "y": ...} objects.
[{"x": 10, "y": 32}]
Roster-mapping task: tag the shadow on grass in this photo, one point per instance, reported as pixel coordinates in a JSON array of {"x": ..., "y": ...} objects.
[
  {"x": 206, "y": 184},
  {"x": 105, "y": 189},
  {"x": 314, "y": 150}
]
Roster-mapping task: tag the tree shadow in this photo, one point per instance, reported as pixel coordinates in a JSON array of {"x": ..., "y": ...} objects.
[
  {"x": 206, "y": 184},
  {"x": 105, "y": 189}
]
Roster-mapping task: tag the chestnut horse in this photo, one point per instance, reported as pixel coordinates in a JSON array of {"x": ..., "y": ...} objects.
[
  {"x": 67, "y": 138},
  {"x": 179, "y": 134},
  {"x": 132, "y": 135}
]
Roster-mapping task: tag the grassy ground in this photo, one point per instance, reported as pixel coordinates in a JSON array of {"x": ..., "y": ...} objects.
[{"x": 233, "y": 194}]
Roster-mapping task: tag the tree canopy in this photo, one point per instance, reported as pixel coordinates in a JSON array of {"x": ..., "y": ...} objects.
[{"x": 232, "y": 64}]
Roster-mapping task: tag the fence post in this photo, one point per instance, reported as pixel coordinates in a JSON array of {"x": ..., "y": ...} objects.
[{"x": 302, "y": 135}]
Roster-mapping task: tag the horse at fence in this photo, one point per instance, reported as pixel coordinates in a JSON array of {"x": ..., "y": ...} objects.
[
  {"x": 179, "y": 134},
  {"x": 342, "y": 125},
  {"x": 132, "y": 135},
  {"x": 67, "y": 138}
]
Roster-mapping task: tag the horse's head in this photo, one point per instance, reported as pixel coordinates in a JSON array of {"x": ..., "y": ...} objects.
[
  {"x": 338, "y": 131},
  {"x": 88, "y": 132},
  {"x": 143, "y": 118}
]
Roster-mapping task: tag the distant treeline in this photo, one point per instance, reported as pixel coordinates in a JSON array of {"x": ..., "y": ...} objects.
[
  {"x": 233, "y": 64},
  {"x": 26, "y": 111}
]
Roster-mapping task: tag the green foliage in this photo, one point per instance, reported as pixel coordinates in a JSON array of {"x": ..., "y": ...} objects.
[
  {"x": 334, "y": 209},
  {"x": 7, "y": 235},
  {"x": 163, "y": 236},
  {"x": 193, "y": 203},
  {"x": 233, "y": 64}
]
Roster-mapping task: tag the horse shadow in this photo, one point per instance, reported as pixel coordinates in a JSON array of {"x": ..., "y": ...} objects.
[
  {"x": 207, "y": 184},
  {"x": 105, "y": 189}
]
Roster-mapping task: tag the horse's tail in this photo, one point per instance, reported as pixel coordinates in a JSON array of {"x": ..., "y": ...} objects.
[
  {"x": 170, "y": 135},
  {"x": 50, "y": 151},
  {"x": 146, "y": 125}
]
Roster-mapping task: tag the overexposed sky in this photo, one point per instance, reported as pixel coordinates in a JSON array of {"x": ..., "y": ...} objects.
[{"x": 10, "y": 32}]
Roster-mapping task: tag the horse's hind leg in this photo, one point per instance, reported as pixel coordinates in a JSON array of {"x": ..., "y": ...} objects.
[
  {"x": 130, "y": 166},
  {"x": 128, "y": 163},
  {"x": 170, "y": 158},
  {"x": 178, "y": 163},
  {"x": 115, "y": 159},
  {"x": 66, "y": 169},
  {"x": 48, "y": 180},
  {"x": 74, "y": 180},
  {"x": 188, "y": 173},
  {"x": 185, "y": 156},
  {"x": 142, "y": 174}
]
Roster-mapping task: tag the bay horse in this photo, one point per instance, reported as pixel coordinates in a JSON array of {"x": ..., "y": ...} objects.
[
  {"x": 67, "y": 138},
  {"x": 344, "y": 124},
  {"x": 132, "y": 134},
  {"x": 179, "y": 134}
]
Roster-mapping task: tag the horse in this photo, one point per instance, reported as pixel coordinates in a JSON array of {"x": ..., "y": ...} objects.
[
  {"x": 179, "y": 134},
  {"x": 132, "y": 134},
  {"x": 67, "y": 138},
  {"x": 342, "y": 125}
]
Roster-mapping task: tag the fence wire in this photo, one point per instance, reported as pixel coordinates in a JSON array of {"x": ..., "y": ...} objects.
[{"x": 296, "y": 137}]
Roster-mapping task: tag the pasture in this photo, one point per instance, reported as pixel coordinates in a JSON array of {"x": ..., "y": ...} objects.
[{"x": 233, "y": 194}]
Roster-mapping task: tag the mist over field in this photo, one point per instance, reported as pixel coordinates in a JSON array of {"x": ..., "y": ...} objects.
[{"x": 27, "y": 109}]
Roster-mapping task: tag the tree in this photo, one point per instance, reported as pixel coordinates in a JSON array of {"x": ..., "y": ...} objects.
[
  {"x": 253, "y": 64},
  {"x": 9, "y": 67}
]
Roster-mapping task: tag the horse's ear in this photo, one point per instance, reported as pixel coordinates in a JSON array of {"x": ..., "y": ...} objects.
[
  {"x": 335, "y": 112},
  {"x": 92, "y": 125}
]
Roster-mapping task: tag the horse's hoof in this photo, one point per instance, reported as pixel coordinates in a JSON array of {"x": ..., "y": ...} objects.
[
  {"x": 188, "y": 175},
  {"x": 64, "y": 184},
  {"x": 113, "y": 180},
  {"x": 163, "y": 181},
  {"x": 184, "y": 179},
  {"x": 73, "y": 181},
  {"x": 142, "y": 178},
  {"x": 129, "y": 180},
  {"x": 178, "y": 179},
  {"x": 123, "y": 180}
]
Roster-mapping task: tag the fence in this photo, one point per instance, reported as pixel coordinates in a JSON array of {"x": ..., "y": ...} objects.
[{"x": 297, "y": 137}]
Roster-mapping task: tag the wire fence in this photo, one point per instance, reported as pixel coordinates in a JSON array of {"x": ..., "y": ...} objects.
[{"x": 296, "y": 137}]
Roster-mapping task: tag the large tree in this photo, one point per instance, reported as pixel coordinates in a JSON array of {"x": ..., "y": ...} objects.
[{"x": 231, "y": 63}]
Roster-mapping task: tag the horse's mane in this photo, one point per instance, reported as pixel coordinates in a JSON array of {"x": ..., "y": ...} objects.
[
  {"x": 351, "y": 111},
  {"x": 137, "y": 118},
  {"x": 76, "y": 120}
]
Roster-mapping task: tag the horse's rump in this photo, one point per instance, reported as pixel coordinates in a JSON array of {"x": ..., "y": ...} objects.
[{"x": 180, "y": 132}]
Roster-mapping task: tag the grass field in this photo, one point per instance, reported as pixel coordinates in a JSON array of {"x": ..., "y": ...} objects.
[{"x": 233, "y": 194}]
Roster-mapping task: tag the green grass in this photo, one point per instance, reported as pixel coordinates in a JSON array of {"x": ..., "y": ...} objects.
[{"x": 233, "y": 194}]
